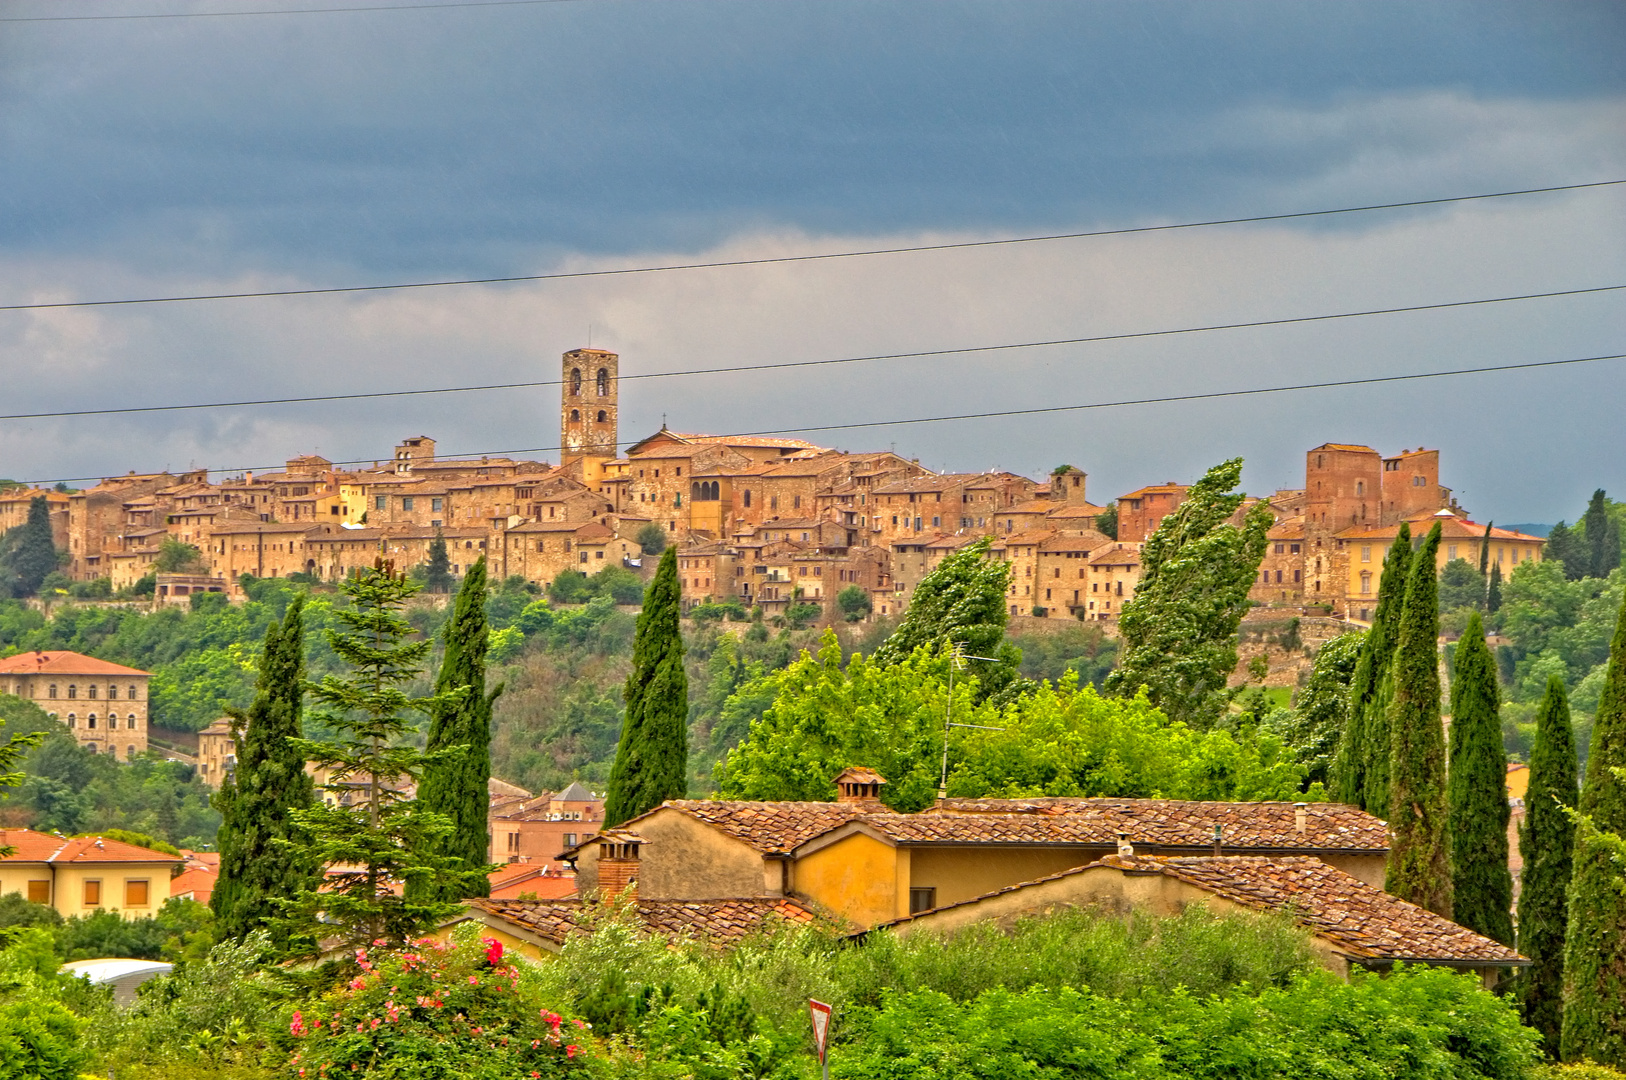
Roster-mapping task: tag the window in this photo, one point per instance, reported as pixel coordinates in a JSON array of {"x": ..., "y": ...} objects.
[
  {"x": 112, "y": 720},
  {"x": 436, "y": 504},
  {"x": 53, "y": 690},
  {"x": 584, "y": 556},
  {"x": 1366, "y": 553},
  {"x": 73, "y": 691},
  {"x": 1366, "y": 582},
  {"x": 130, "y": 721},
  {"x": 575, "y": 385},
  {"x": 575, "y": 415},
  {"x": 72, "y": 721},
  {"x": 136, "y": 893},
  {"x": 1280, "y": 548},
  {"x": 381, "y": 502},
  {"x": 570, "y": 840},
  {"x": 90, "y": 721},
  {"x": 602, "y": 416},
  {"x": 406, "y": 502},
  {"x": 513, "y": 841},
  {"x": 112, "y": 692},
  {"x": 90, "y": 691},
  {"x": 922, "y": 900},
  {"x": 93, "y": 893},
  {"x": 748, "y": 502},
  {"x": 1293, "y": 549},
  {"x": 936, "y": 522},
  {"x": 39, "y": 892},
  {"x": 1297, "y": 576}
]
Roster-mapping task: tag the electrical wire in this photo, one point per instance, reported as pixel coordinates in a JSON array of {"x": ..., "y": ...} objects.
[
  {"x": 688, "y": 372},
  {"x": 1044, "y": 410},
  {"x": 724, "y": 263},
  {"x": 280, "y": 11}
]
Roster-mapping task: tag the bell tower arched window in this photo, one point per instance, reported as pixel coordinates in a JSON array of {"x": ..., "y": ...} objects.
[
  {"x": 603, "y": 383},
  {"x": 575, "y": 382}
]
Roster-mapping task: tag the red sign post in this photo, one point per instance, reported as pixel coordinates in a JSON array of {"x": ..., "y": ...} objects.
[{"x": 821, "y": 1032}]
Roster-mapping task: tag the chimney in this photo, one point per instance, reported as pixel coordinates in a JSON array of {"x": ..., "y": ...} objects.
[
  {"x": 860, "y": 785},
  {"x": 1126, "y": 850},
  {"x": 1219, "y": 837},
  {"x": 618, "y": 864},
  {"x": 1301, "y": 818}
]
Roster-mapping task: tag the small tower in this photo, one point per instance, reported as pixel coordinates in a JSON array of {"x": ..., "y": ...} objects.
[{"x": 587, "y": 422}]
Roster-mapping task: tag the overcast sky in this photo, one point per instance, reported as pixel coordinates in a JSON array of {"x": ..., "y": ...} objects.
[{"x": 154, "y": 157}]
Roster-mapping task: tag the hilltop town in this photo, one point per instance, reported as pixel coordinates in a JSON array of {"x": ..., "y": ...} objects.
[{"x": 767, "y": 522}]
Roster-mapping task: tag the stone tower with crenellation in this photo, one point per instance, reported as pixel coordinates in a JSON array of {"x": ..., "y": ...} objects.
[{"x": 587, "y": 413}]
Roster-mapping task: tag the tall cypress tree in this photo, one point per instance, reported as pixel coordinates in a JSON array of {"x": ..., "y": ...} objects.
[
  {"x": 1602, "y": 537},
  {"x": 1595, "y": 939},
  {"x": 1546, "y": 845},
  {"x": 1419, "y": 867},
  {"x": 1493, "y": 594},
  {"x": 257, "y": 801},
  {"x": 1476, "y": 793},
  {"x": 651, "y": 762},
  {"x": 456, "y": 778},
  {"x": 28, "y": 552},
  {"x": 1361, "y": 770}
]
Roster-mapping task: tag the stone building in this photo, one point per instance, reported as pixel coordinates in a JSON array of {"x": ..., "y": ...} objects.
[
  {"x": 1140, "y": 511},
  {"x": 103, "y": 705},
  {"x": 14, "y": 505},
  {"x": 1114, "y": 574}
]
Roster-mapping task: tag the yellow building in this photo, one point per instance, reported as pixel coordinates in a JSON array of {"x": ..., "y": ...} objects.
[
  {"x": 86, "y": 874},
  {"x": 1362, "y": 551}
]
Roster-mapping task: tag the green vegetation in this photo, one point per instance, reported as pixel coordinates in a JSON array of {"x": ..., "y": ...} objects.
[
  {"x": 652, "y": 757},
  {"x": 263, "y": 855},
  {"x": 437, "y": 569},
  {"x": 1360, "y": 771},
  {"x": 651, "y": 538},
  {"x": 373, "y": 835},
  {"x": 1179, "y": 631},
  {"x": 27, "y": 552},
  {"x": 616, "y": 582},
  {"x": 1419, "y": 868},
  {"x": 457, "y": 770},
  {"x": 1314, "y": 730},
  {"x": 854, "y": 603},
  {"x": 1594, "y": 948},
  {"x": 1476, "y": 794},
  {"x": 1547, "y": 844}
]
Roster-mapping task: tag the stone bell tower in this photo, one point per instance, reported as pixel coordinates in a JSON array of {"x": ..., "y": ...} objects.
[{"x": 587, "y": 424}]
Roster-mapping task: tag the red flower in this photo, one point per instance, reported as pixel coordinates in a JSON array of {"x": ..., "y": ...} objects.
[{"x": 493, "y": 951}]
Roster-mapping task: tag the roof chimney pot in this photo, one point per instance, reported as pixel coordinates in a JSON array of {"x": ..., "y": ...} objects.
[
  {"x": 1301, "y": 818},
  {"x": 1126, "y": 850}
]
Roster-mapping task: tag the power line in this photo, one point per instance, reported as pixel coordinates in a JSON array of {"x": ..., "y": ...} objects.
[
  {"x": 688, "y": 372},
  {"x": 280, "y": 11},
  {"x": 720, "y": 264},
  {"x": 1122, "y": 403}
]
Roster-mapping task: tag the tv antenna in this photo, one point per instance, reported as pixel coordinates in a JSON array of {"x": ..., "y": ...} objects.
[{"x": 957, "y": 658}]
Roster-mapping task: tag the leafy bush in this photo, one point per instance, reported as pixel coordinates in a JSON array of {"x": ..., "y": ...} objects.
[
  {"x": 39, "y": 1040},
  {"x": 441, "y": 1011},
  {"x": 854, "y": 602}
]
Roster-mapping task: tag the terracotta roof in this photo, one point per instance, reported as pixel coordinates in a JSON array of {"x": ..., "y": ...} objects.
[
  {"x": 1086, "y": 510},
  {"x": 1355, "y": 447},
  {"x": 1126, "y": 554},
  {"x": 1356, "y": 918},
  {"x": 722, "y": 922},
  {"x": 594, "y": 533},
  {"x": 196, "y": 883},
  {"x": 773, "y": 828},
  {"x": 1157, "y": 489},
  {"x": 1291, "y": 529},
  {"x": 1179, "y": 823},
  {"x": 61, "y": 662},
  {"x": 1451, "y": 527},
  {"x": 510, "y": 882},
  {"x": 43, "y": 847}
]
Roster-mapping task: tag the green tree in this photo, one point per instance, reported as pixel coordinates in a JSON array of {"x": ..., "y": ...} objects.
[
  {"x": 1568, "y": 550},
  {"x": 381, "y": 839},
  {"x": 1419, "y": 867},
  {"x": 1179, "y": 631},
  {"x": 1314, "y": 728},
  {"x": 1106, "y": 522},
  {"x": 1476, "y": 793},
  {"x": 258, "y": 800},
  {"x": 1602, "y": 533},
  {"x": 1361, "y": 769},
  {"x": 651, "y": 538},
  {"x": 28, "y": 552},
  {"x": 855, "y": 603},
  {"x": 961, "y": 603},
  {"x": 437, "y": 572},
  {"x": 1493, "y": 594},
  {"x": 1461, "y": 586},
  {"x": 1595, "y": 944},
  {"x": 651, "y": 761},
  {"x": 1547, "y": 846},
  {"x": 177, "y": 557},
  {"x": 457, "y": 776}
]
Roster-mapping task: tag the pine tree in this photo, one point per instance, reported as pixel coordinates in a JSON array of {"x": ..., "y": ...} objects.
[
  {"x": 258, "y": 800},
  {"x": 1419, "y": 867},
  {"x": 1546, "y": 844},
  {"x": 1602, "y": 537},
  {"x": 1179, "y": 632},
  {"x": 437, "y": 572},
  {"x": 1360, "y": 771},
  {"x": 1476, "y": 793},
  {"x": 1493, "y": 595},
  {"x": 456, "y": 778},
  {"x": 1595, "y": 939},
  {"x": 651, "y": 762},
  {"x": 372, "y": 837},
  {"x": 28, "y": 552}
]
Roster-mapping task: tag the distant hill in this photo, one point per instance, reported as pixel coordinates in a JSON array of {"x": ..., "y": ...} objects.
[{"x": 1530, "y": 530}]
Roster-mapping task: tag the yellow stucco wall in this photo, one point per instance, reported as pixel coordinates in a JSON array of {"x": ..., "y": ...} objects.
[
  {"x": 683, "y": 859},
  {"x": 857, "y": 877},
  {"x": 963, "y": 873},
  {"x": 510, "y": 943},
  {"x": 68, "y": 888},
  {"x": 14, "y": 877}
]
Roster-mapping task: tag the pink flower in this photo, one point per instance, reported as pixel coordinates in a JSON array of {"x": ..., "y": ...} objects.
[
  {"x": 378, "y": 941},
  {"x": 358, "y": 983},
  {"x": 375, "y": 1022},
  {"x": 297, "y": 1028},
  {"x": 570, "y": 1051},
  {"x": 473, "y": 981},
  {"x": 493, "y": 951}
]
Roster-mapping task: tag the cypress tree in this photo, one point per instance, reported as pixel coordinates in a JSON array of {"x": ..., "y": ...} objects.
[
  {"x": 1484, "y": 551},
  {"x": 1602, "y": 552},
  {"x": 1546, "y": 844},
  {"x": 437, "y": 572},
  {"x": 1595, "y": 939},
  {"x": 1419, "y": 867},
  {"x": 1476, "y": 793},
  {"x": 1493, "y": 595},
  {"x": 28, "y": 552},
  {"x": 651, "y": 762},
  {"x": 1361, "y": 770},
  {"x": 1564, "y": 545},
  {"x": 269, "y": 783},
  {"x": 456, "y": 778}
]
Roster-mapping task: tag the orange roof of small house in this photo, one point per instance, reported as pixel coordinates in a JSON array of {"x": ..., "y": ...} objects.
[
  {"x": 720, "y": 922},
  {"x": 62, "y": 662},
  {"x": 1452, "y": 527},
  {"x": 1357, "y": 919},
  {"x": 1124, "y": 554},
  {"x": 518, "y": 880},
  {"x": 43, "y": 847},
  {"x": 1290, "y": 529},
  {"x": 197, "y": 884},
  {"x": 1171, "y": 488}
]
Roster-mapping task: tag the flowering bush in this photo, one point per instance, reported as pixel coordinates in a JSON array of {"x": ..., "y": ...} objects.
[{"x": 436, "y": 1011}]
